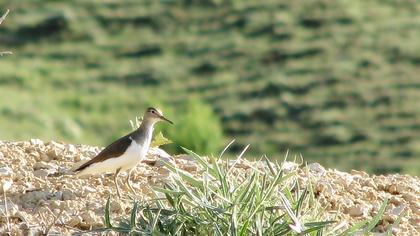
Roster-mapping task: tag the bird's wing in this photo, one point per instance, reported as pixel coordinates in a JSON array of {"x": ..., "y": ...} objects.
[{"x": 115, "y": 149}]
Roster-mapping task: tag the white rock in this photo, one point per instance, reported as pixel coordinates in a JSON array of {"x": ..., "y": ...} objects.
[
  {"x": 154, "y": 151},
  {"x": 185, "y": 157},
  {"x": 71, "y": 149},
  {"x": 88, "y": 217},
  {"x": 87, "y": 189},
  {"x": 56, "y": 145},
  {"x": 5, "y": 185},
  {"x": 68, "y": 195},
  {"x": 358, "y": 210},
  {"x": 42, "y": 173},
  {"x": 317, "y": 168},
  {"x": 44, "y": 165},
  {"x": 11, "y": 210},
  {"x": 289, "y": 166},
  {"x": 5, "y": 171},
  {"x": 32, "y": 199},
  {"x": 74, "y": 221},
  {"x": 37, "y": 142},
  {"x": 398, "y": 210},
  {"x": 189, "y": 167}
]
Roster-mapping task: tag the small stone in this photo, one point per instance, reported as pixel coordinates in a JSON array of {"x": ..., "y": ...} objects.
[
  {"x": 5, "y": 171},
  {"x": 289, "y": 166},
  {"x": 74, "y": 221},
  {"x": 359, "y": 173},
  {"x": 41, "y": 173},
  {"x": 53, "y": 154},
  {"x": 161, "y": 161},
  {"x": 87, "y": 189},
  {"x": 317, "y": 168},
  {"x": 6, "y": 184},
  {"x": 389, "y": 218},
  {"x": 189, "y": 167},
  {"x": 44, "y": 165},
  {"x": 396, "y": 200},
  {"x": 160, "y": 153},
  {"x": 11, "y": 210},
  {"x": 67, "y": 195},
  {"x": 56, "y": 145},
  {"x": 31, "y": 199},
  {"x": 24, "y": 226},
  {"x": 401, "y": 188},
  {"x": 398, "y": 210},
  {"x": 88, "y": 217},
  {"x": 410, "y": 197},
  {"x": 164, "y": 171},
  {"x": 71, "y": 149},
  {"x": 356, "y": 210},
  {"x": 392, "y": 189},
  {"x": 36, "y": 142},
  {"x": 116, "y": 207},
  {"x": 184, "y": 157}
]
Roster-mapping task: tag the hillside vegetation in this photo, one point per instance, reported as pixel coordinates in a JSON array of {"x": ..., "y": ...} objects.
[{"x": 337, "y": 81}]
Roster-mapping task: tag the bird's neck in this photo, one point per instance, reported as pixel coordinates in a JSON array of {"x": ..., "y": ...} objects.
[{"x": 143, "y": 135}]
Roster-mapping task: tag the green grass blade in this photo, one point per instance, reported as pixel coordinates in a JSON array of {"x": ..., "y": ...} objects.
[
  {"x": 133, "y": 216},
  {"x": 108, "y": 224},
  {"x": 354, "y": 228},
  {"x": 377, "y": 217},
  {"x": 300, "y": 201}
]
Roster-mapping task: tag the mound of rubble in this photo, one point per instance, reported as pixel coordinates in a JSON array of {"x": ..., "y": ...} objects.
[{"x": 42, "y": 195}]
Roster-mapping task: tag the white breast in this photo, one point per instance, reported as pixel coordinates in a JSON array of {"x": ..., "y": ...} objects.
[{"x": 131, "y": 157}]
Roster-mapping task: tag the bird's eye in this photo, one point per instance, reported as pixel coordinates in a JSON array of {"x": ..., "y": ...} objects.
[{"x": 153, "y": 111}]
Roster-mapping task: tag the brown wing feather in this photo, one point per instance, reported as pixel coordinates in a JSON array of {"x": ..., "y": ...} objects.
[{"x": 115, "y": 149}]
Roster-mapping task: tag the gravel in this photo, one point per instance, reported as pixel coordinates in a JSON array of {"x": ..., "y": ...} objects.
[{"x": 41, "y": 192}]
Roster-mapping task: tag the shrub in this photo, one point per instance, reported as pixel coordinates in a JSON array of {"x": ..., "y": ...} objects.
[
  {"x": 196, "y": 127},
  {"x": 222, "y": 202}
]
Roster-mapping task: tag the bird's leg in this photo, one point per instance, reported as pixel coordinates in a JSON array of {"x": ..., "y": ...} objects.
[
  {"x": 115, "y": 181},
  {"x": 129, "y": 182}
]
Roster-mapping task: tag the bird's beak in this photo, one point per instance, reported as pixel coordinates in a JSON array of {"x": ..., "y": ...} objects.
[{"x": 165, "y": 119}]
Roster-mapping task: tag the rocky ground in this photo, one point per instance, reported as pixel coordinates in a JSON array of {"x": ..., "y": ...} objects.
[{"x": 43, "y": 197}]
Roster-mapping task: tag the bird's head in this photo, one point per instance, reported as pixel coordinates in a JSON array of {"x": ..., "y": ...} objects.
[{"x": 155, "y": 115}]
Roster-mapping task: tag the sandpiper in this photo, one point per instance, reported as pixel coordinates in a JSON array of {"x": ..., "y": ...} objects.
[{"x": 126, "y": 152}]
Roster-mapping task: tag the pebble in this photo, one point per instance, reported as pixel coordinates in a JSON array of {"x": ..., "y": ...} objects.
[
  {"x": 357, "y": 193},
  {"x": 357, "y": 210},
  {"x": 88, "y": 217},
  {"x": 116, "y": 207},
  {"x": 87, "y": 189},
  {"x": 44, "y": 165},
  {"x": 71, "y": 149},
  {"x": 359, "y": 173},
  {"x": 53, "y": 154},
  {"x": 74, "y": 221},
  {"x": 317, "y": 168},
  {"x": 6, "y": 184},
  {"x": 41, "y": 173},
  {"x": 189, "y": 167},
  {"x": 67, "y": 195},
  {"x": 289, "y": 166},
  {"x": 37, "y": 142},
  {"x": 392, "y": 189},
  {"x": 31, "y": 199},
  {"x": 12, "y": 209},
  {"x": 6, "y": 171}
]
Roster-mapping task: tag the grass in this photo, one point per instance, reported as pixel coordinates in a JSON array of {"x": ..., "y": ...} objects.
[
  {"x": 264, "y": 200},
  {"x": 329, "y": 79},
  {"x": 222, "y": 201}
]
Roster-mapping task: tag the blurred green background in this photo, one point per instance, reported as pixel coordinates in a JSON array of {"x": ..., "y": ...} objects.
[{"x": 334, "y": 80}]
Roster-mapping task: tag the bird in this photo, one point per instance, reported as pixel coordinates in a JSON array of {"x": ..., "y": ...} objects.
[{"x": 126, "y": 152}]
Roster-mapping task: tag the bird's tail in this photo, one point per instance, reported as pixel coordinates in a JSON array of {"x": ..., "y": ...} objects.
[{"x": 76, "y": 170}]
